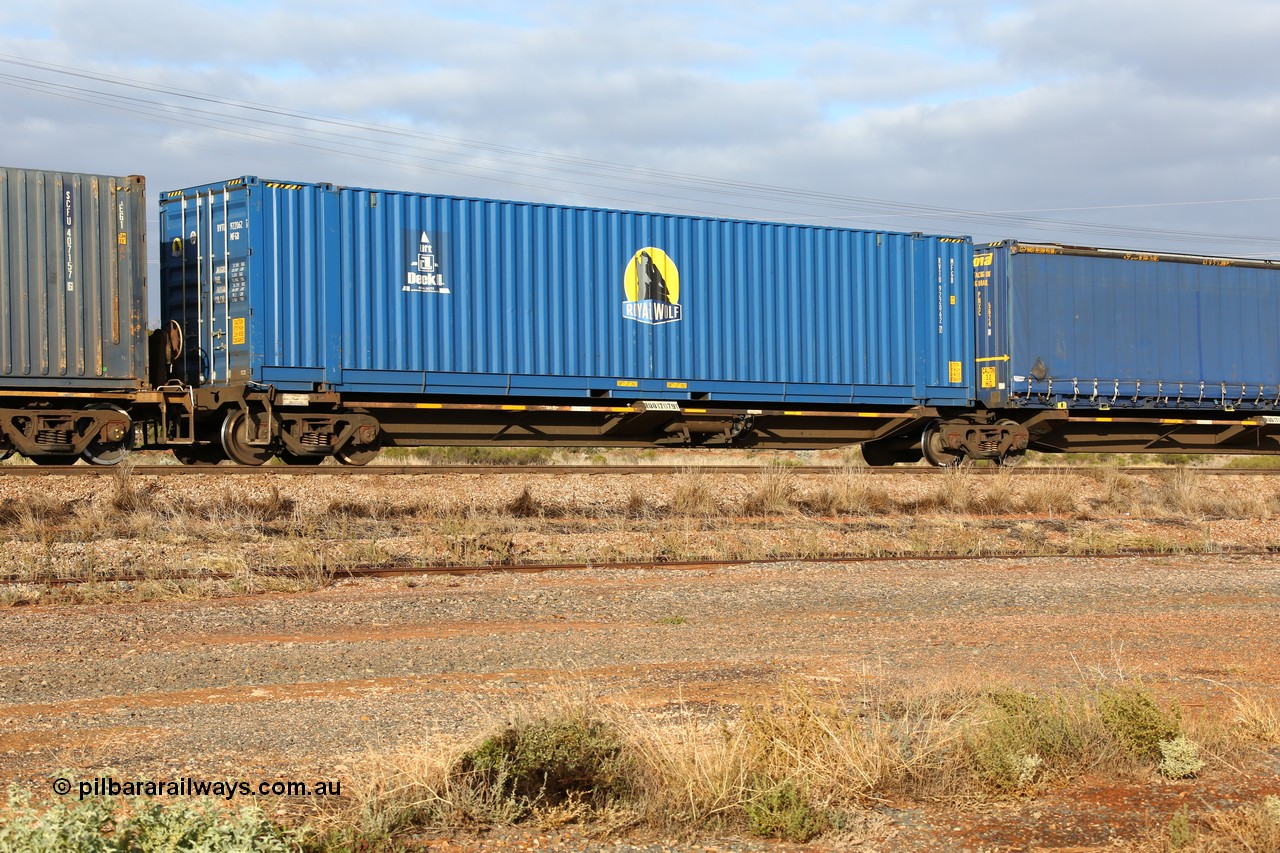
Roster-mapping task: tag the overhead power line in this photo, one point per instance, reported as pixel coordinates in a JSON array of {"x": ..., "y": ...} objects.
[{"x": 599, "y": 180}]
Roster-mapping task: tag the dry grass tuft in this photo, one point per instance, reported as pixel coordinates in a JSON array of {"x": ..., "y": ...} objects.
[
  {"x": 371, "y": 509},
  {"x": 1024, "y": 740},
  {"x": 1052, "y": 495},
  {"x": 1254, "y": 827},
  {"x": 238, "y": 509},
  {"x": 637, "y": 505},
  {"x": 1255, "y": 717},
  {"x": 38, "y": 515},
  {"x": 809, "y": 763},
  {"x": 525, "y": 505},
  {"x": 772, "y": 493},
  {"x": 126, "y": 495},
  {"x": 559, "y": 759},
  {"x": 1180, "y": 490},
  {"x": 692, "y": 497},
  {"x": 854, "y": 491}
]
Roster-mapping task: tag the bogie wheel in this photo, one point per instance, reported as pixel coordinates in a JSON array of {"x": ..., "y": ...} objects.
[
  {"x": 110, "y": 452},
  {"x": 56, "y": 459},
  {"x": 358, "y": 454},
  {"x": 1014, "y": 457},
  {"x": 235, "y": 441},
  {"x": 934, "y": 452}
]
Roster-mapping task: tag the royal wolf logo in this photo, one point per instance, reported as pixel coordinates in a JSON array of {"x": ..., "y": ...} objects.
[{"x": 652, "y": 285}]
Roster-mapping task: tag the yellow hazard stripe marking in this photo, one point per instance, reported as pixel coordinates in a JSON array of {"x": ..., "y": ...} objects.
[
  {"x": 802, "y": 414},
  {"x": 1169, "y": 421}
]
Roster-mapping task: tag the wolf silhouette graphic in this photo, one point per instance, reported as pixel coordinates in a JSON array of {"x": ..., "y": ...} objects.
[{"x": 650, "y": 285}]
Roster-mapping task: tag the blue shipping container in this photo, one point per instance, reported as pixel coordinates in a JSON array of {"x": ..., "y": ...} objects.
[
  {"x": 372, "y": 292},
  {"x": 1060, "y": 325}
]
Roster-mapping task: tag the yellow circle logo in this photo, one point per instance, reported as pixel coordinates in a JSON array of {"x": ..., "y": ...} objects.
[{"x": 652, "y": 276}]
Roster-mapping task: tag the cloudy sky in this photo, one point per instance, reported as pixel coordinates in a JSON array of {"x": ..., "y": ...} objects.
[{"x": 1130, "y": 123}]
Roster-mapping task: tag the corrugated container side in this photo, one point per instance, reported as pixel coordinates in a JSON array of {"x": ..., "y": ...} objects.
[
  {"x": 1117, "y": 328},
  {"x": 72, "y": 280},
  {"x": 407, "y": 293}
]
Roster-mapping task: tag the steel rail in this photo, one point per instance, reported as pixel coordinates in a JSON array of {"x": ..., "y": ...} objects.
[
  {"x": 594, "y": 470},
  {"x": 391, "y": 570}
]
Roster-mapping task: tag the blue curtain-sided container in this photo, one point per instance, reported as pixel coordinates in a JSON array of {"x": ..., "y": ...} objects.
[
  {"x": 370, "y": 292},
  {"x": 73, "y": 290},
  {"x": 1090, "y": 328}
]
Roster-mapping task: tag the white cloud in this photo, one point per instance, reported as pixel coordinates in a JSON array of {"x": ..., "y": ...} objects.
[{"x": 989, "y": 105}]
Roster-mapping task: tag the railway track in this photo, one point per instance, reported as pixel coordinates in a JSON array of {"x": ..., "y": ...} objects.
[
  {"x": 393, "y": 570},
  {"x": 562, "y": 470}
]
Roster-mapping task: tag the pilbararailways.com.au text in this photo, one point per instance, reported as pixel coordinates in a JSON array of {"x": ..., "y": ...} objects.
[{"x": 227, "y": 789}]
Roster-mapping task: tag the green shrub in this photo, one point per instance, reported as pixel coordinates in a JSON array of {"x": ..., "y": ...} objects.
[
  {"x": 545, "y": 762},
  {"x": 1253, "y": 462},
  {"x": 1179, "y": 758},
  {"x": 1023, "y": 736},
  {"x": 1180, "y": 831},
  {"x": 1134, "y": 718},
  {"x": 98, "y": 825},
  {"x": 779, "y": 810}
]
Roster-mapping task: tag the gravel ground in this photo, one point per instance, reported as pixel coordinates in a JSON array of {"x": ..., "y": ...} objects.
[
  {"x": 306, "y": 685},
  {"x": 300, "y": 686}
]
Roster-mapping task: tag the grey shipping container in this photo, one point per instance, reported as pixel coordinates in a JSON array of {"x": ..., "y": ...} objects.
[{"x": 72, "y": 280}]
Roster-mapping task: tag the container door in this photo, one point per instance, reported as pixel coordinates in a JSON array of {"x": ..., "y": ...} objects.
[
  {"x": 991, "y": 304},
  {"x": 206, "y": 275},
  {"x": 943, "y": 342}
]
